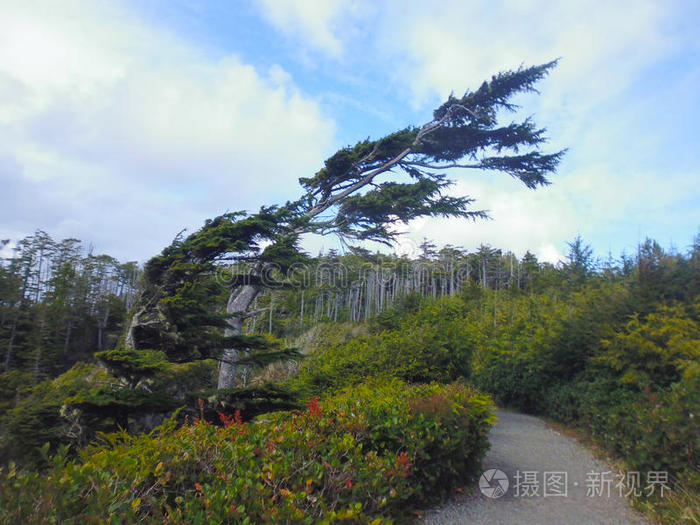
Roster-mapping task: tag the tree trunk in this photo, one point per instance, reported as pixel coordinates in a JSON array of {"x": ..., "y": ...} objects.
[
  {"x": 38, "y": 352},
  {"x": 510, "y": 281},
  {"x": 101, "y": 327},
  {"x": 10, "y": 344},
  {"x": 254, "y": 328},
  {"x": 129, "y": 341},
  {"x": 301, "y": 315},
  {"x": 66, "y": 340},
  {"x": 239, "y": 301}
]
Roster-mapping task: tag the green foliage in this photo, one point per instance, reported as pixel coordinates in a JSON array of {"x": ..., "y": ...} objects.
[
  {"x": 393, "y": 202},
  {"x": 261, "y": 350},
  {"x": 177, "y": 310},
  {"x": 462, "y": 129},
  {"x": 368, "y": 455},
  {"x": 574, "y": 347},
  {"x": 580, "y": 263},
  {"x": 179, "y": 379},
  {"x": 71, "y": 408},
  {"x": 428, "y": 345},
  {"x": 631, "y": 382},
  {"x": 249, "y": 401},
  {"x": 183, "y": 286},
  {"x": 14, "y": 385},
  {"x": 612, "y": 350},
  {"x": 116, "y": 403},
  {"x": 37, "y": 419},
  {"x": 653, "y": 352},
  {"x": 58, "y": 306},
  {"x": 132, "y": 364},
  {"x": 651, "y": 393},
  {"x": 391, "y": 318},
  {"x": 578, "y": 325}
]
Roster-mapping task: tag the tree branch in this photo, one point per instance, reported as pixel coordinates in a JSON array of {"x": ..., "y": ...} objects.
[
  {"x": 441, "y": 166},
  {"x": 327, "y": 203},
  {"x": 252, "y": 313}
]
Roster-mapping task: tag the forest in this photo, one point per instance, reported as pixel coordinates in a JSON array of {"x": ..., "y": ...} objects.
[
  {"x": 235, "y": 378},
  {"x": 60, "y": 304}
]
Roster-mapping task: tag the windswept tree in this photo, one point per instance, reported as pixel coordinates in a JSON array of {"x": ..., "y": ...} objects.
[{"x": 360, "y": 194}]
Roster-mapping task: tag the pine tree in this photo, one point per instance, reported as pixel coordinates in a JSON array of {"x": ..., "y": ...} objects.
[
  {"x": 360, "y": 194},
  {"x": 580, "y": 262}
]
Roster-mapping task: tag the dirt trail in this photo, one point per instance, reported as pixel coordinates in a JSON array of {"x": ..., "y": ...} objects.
[{"x": 528, "y": 446}]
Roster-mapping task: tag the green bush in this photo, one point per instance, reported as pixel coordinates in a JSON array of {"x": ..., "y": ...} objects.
[
  {"x": 432, "y": 344},
  {"x": 46, "y": 415},
  {"x": 369, "y": 454},
  {"x": 632, "y": 384},
  {"x": 515, "y": 378},
  {"x": 649, "y": 413},
  {"x": 37, "y": 419},
  {"x": 14, "y": 385}
]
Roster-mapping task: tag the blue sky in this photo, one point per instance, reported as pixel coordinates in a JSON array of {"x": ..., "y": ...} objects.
[{"x": 124, "y": 122}]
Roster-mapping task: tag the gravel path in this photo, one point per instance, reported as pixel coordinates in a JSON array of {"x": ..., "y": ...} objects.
[{"x": 522, "y": 443}]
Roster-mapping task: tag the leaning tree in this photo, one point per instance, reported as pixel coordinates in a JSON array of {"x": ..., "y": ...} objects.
[{"x": 360, "y": 194}]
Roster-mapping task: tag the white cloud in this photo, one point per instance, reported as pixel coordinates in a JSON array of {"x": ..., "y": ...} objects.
[
  {"x": 543, "y": 221},
  {"x": 116, "y": 130},
  {"x": 521, "y": 219},
  {"x": 457, "y": 44},
  {"x": 316, "y": 22}
]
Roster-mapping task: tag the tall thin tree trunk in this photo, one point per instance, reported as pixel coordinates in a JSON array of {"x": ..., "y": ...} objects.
[
  {"x": 66, "y": 341},
  {"x": 510, "y": 281},
  {"x": 255, "y": 317},
  {"x": 495, "y": 302},
  {"x": 272, "y": 307},
  {"x": 38, "y": 277},
  {"x": 101, "y": 326},
  {"x": 39, "y": 354},
  {"x": 10, "y": 344},
  {"x": 382, "y": 292},
  {"x": 301, "y": 314},
  {"x": 239, "y": 301}
]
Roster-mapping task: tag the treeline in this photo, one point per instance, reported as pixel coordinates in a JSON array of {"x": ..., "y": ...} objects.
[
  {"x": 357, "y": 286},
  {"x": 59, "y": 303}
]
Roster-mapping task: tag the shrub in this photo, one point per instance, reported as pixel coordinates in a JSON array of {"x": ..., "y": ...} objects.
[
  {"x": 37, "y": 419},
  {"x": 69, "y": 409},
  {"x": 13, "y": 387},
  {"x": 632, "y": 382},
  {"x": 367, "y": 455},
  {"x": 430, "y": 345}
]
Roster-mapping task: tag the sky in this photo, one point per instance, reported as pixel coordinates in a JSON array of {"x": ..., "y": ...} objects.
[{"x": 124, "y": 122}]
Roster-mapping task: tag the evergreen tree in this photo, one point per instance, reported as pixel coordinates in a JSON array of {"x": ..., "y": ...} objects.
[
  {"x": 359, "y": 194},
  {"x": 580, "y": 262},
  {"x": 58, "y": 306}
]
